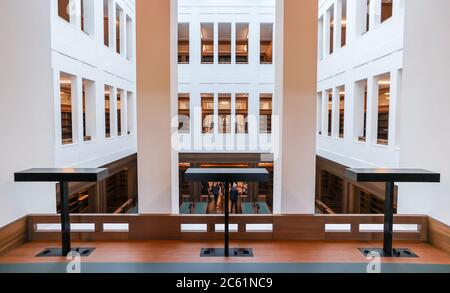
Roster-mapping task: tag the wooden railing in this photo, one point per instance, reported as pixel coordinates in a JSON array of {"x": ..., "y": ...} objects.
[{"x": 210, "y": 227}]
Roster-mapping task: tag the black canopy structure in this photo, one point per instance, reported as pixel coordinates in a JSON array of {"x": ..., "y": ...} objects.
[
  {"x": 63, "y": 176},
  {"x": 390, "y": 177},
  {"x": 227, "y": 176}
]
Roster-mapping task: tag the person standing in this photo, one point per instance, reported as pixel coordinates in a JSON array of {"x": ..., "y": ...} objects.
[
  {"x": 216, "y": 193},
  {"x": 234, "y": 196}
]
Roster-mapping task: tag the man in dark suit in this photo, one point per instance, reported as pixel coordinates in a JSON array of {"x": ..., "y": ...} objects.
[{"x": 234, "y": 196}]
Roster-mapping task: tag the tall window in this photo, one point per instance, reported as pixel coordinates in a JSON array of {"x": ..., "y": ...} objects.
[
  {"x": 87, "y": 16},
  {"x": 265, "y": 114},
  {"x": 184, "y": 113},
  {"x": 224, "y": 113},
  {"x": 119, "y": 112},
  {"x": 108, "y": 91},
  {"x": 64, "y": 9},
  {"x": 242, "y": 35},
  {"x": 130, "y": 113},
  {"x": 207, "y": 113},
  {"x": 367, "y": 16},
  {"x": 343, "y": 23},
  {"x": 183, "y": 43},
  {"x": 130, "y": 38},
  {"x": 225, "y": 43},
  {"x": 106, "y": 22},
  {"x": 66, "y": 90},
  {"x": 384, "y": 97},
  {"x": 341, "y": 91},
  {"x": 386, "y": 10},
  {"x": 320, "y": 39},
  {"x": 319, "y": 113},
  {"x": 119, "y": 37},
  {"x": 207, "y": 35},
  {"x": 331, "y": 25},
  {"x": 266, "y": 43},
  {"x": 242, "y": 113},
  {"x": 330, "y": 112},
  {"x": 361, "y": 110},
  {"x": 88, "y": 109}
]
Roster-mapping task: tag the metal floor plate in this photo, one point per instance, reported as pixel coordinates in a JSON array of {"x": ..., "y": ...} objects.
[
  {"x": 57, "y": 252},
  {"x": 397, "y": 252},
  {"x": 220, "y": 252}
]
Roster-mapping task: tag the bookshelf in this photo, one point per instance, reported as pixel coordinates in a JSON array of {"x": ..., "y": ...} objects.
[
  {"x": 78, "y": 203},
  {"x": 383, "y": 126},
  {"x": 66, "y": 124}
]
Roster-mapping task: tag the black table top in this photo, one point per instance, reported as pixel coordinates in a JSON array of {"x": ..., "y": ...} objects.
[
  {"x": 393, "y": 175},
  {"x": 227, "y": 175},
  {"x": 61, "y": 175}
]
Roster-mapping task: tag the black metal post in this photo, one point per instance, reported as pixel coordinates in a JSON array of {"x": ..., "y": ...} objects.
[
  {"x": 227, "y": 219},
  {"x": 65, "y": 218},
  {"x": 388, "y": 219}
]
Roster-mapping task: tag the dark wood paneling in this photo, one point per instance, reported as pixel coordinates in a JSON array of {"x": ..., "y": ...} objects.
[
  {"x": 13, "y": 235},
  {"x": 285, "y": 227},
  {"x": 439, "y": 235}
]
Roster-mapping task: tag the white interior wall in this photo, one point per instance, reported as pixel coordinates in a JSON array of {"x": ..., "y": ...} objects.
[
  {"x": 85, "y": 56},
  {"x": 364, "y": 57},
  {"x": 425, "y": 104},
  {"x": 26, "y": 112}
]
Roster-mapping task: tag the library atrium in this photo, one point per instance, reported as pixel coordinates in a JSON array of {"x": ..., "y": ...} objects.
[{"x": 292, "y": 129}]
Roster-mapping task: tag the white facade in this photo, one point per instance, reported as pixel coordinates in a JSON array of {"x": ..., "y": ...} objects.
[
  {"x": 41, "y": 47},
  {"x": 365, "y": 57},
  {"x": 252, "y": 79}
]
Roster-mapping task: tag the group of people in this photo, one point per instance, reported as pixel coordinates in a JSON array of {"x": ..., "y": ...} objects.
[{"x": 218, "y": 191}]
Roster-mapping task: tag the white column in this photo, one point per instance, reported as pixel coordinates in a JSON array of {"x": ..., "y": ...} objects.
[
  {"x": 349, "y": 123},
  {"x": 216, "y": 116},
  {"x": 57, "y": 107},
  {"x": 77, "y": 113},
  {"x": 375, "y": 13},
  {"x": 253, "y": 122},
  {"x": 326, "y": 33},
  {"x": 394, "y": 108},
  {"x": 372, "y": 111},
  {"x": 125, "y": 113},
  {"x": 155, "y": 75},
  {"x": 113, "y": 111},
  {"x": 112, "y": 24},
  {"x": 358, "y": 110},
  {"x": 231, "y": 139},
  {"x": 89, "y": 16},
  {"x": 336, "y": 110},
  {"x": 91, "y": 109},
  {"x": 195, "y": 42},
  {"x": 325, "y": 112},
  {"x": 353, "y": 19},
  {"x": 75, "y": 13},
  {"x": 196, "y": 118},
  {"x": 123, "y": 35},
  {"x": 338, "y": 24},
  {"x": 216, "y": 43},
  {"x": 233, "y": 42},
  {"x": 320, "y": 40},
  {"x": 295, "y": 167}
]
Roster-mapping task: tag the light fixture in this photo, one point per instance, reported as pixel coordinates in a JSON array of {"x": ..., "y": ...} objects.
[{"x": 384, "y": 82}]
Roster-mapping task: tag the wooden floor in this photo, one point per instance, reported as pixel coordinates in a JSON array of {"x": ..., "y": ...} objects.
[{"x": 188, "y": 252}]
